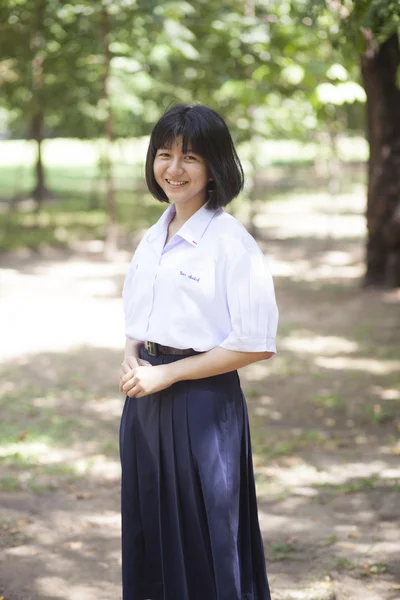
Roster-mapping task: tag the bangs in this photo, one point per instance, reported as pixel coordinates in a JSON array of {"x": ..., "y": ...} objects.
[{"x": 166, "y": 135}]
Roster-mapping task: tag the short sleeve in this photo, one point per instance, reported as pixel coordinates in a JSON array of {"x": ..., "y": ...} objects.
[
  {"x": 251, "y": 302},
  {"x": 129, "y": 287}
]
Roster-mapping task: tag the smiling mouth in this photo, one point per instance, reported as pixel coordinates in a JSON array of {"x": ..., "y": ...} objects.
[{"x": 176, "y": 183}]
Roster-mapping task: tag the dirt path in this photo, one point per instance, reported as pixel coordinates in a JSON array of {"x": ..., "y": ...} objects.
[{"x": 324, "y": 414}]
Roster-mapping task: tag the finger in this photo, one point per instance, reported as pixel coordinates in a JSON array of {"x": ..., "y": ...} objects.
[
  {"x": 129, "y": 363},
  {"x": 144, "y": 363},
  {"x": 123, "y": 374},
  {"x": 128, "y": 376},
  {"x": 133, "y": 392},
  {"x": 125, "y": 368},
  {"x": 132, "y": 361},
  {"x": 120, "y": 384},
  {"x": 129, "y": 384},
  {"x": 120, "y": 387}
]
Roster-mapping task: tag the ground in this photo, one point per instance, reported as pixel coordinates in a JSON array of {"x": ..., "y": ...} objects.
[{"x": 324, "y": 416}]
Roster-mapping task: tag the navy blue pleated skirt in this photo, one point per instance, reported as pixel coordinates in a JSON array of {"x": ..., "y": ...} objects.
[{"x": 190, "y": 527}]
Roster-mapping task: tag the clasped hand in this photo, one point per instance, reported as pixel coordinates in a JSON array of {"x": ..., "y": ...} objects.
[{"x": 138, "y": 378}]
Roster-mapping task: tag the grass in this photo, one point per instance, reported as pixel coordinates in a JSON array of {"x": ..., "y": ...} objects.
[
  {"x": 345, "y": 564},
  {"x": 40, "y": 478},
  {"x": 379, "y": 413},
  {"x": 360, "y": 484},
  {"x": 10, "y": 532},
  {"x": 70, "y": 219},
  {"x": 78, "y": 211},
  {"x": 268, "y": 448},
  {"x": 330, "y": 400},
  {"x": 330, "y": 540},
  {"x": 282, "y": 552}
]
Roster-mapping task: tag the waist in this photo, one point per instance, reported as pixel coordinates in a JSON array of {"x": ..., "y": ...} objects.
[{"x": 154, "y": 349}]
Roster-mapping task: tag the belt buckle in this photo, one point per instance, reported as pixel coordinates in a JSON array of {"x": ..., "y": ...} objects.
[{"x": 151, "y": 348}]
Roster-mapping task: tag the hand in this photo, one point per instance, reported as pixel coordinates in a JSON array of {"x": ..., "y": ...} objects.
[
  {"x": 130, "y": 363},
  {"x": 142, "y": 381}
]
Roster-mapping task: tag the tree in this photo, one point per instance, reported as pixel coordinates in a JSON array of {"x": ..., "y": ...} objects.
[
  {"x": 46, "y": 83},
  {"x": 370, "y": 30}
]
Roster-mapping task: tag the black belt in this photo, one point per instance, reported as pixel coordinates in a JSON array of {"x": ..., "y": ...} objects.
[{"x": 155, "y": 349}]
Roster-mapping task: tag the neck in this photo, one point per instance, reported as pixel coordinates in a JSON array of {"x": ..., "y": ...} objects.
[{"x": 183, "y": 212}]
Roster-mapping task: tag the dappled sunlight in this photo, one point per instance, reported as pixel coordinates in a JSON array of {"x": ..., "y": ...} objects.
[
  {"x": 102, "y": 467},
  {"x": 321, "y": 266},
  {"x": 58, "y": 587},
  {"x": 307, "y": 474},
  {"x": 70, "y": 304},
  {"x": 65, "y": 539},
  {"x": 297, "y": 341},
  {"x": 109, "y": 519},
  {"x": 349, "y": 363},
  {"x": 42, "y": 453},
  {"x": 258, "y": 371},
  {"x": 316, "y": 215},
  {"x": 104, "y": 407},
  {"x": 386, "y": 393},
  {"x": 289, "y": 524},
  {"x": 304, "y": 270}
]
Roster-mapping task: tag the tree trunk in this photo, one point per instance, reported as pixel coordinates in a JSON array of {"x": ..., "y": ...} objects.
[
  {"x": 111, "y": 233},
  {"x": 39, "y": 192},
  {"x": 379, "y": 67},
  {"x": 252, "y": 193}
]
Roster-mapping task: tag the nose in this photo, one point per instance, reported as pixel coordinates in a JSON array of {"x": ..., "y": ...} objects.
[{"x": 175, "y": 166}]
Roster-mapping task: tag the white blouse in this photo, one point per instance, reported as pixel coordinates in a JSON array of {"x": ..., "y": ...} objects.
[{"x": 209, "y": 286}]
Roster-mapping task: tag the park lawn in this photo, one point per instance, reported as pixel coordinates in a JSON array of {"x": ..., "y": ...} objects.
[{"x": 76, "y": 209}]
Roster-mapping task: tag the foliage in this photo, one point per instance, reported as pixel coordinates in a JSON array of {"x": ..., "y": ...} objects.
[
  {"x": 261, "y": 64},
  {"x": 356, "y": 17}
]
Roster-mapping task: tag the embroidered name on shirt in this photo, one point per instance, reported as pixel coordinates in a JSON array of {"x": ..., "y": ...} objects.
[{"x": 197, "y": 279}]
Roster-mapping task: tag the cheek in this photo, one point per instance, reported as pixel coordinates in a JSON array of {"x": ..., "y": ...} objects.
[
  {"x": 157, "y": 170},
  {"x": 200, "y": 175}
]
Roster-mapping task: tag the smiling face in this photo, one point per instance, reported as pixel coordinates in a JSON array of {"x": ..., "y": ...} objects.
[{"x": 183, "y": 177}]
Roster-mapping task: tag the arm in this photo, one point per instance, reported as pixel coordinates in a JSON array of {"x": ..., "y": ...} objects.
[
  {"x": 214, "y": 362},
  {"x": 143, "y": 381},
  {"x": 132, "y": 348}
]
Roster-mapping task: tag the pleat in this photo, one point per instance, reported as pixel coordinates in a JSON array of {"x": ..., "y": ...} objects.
[
  {"x": 132, "y": 530},
  {"x": 172, "y": 535},
  {"x": 213, "y": 449}
]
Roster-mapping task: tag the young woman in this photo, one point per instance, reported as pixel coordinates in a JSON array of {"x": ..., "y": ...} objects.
[{"x": 199, "y": 304}]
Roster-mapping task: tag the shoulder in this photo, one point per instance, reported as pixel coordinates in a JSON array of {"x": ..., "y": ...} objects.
[
  {"x": 145, "y": 238},
  {"x": 233, "y": 241}
]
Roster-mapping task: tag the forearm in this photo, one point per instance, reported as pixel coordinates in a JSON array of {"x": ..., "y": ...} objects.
[
  {"x": 132, "y": 348},
  {"x": 214, "y": 362}
]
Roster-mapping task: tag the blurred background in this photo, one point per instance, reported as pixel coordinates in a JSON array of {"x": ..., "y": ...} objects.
[{"x": 310, "y": 90}]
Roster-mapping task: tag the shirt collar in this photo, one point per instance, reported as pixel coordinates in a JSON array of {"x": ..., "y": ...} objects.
[
  {"x": 192, "y": 231},
  {"x": 161, "y": 225}
]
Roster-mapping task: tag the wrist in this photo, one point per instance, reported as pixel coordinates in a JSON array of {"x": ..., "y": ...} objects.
[{"x": 173, "y": 372}]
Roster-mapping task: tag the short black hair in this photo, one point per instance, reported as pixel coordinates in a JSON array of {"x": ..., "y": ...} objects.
[{"x": 204, "y": 132}]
